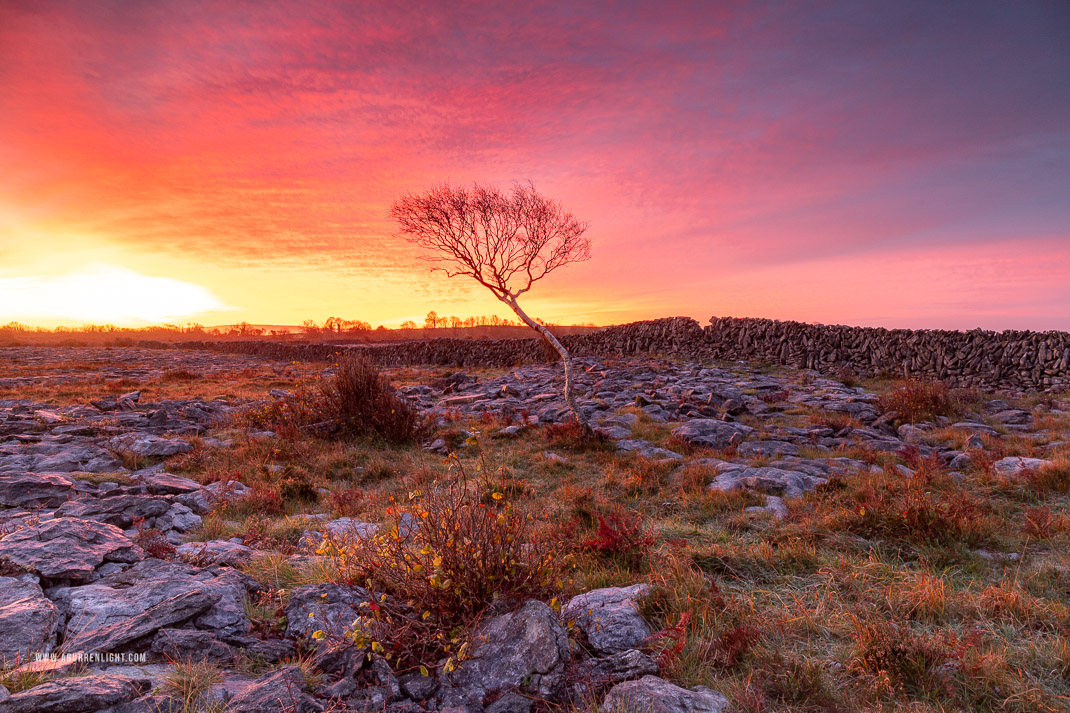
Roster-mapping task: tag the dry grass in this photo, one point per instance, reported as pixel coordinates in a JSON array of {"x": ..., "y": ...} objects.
[
  {"x": 190, "y": 682},
  {"x": 917, "y": 401},
  {"x": 877, "y": 592}
]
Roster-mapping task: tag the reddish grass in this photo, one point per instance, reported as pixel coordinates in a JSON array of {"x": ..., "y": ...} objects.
[
  {"x": 917, "y": 401},
  {"x": 622, "y": 536}
]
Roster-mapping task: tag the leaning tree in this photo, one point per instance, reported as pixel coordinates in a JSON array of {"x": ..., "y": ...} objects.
[{"x": 504, "y": 241}]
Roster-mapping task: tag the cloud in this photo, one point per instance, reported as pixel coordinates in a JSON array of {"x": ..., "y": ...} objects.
[
  {"x": 103, "y": 294},
  {"x": 735, "y": 134}
]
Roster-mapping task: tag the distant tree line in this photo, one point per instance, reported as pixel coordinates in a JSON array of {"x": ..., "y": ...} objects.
[{"x": 331, "y": 328}]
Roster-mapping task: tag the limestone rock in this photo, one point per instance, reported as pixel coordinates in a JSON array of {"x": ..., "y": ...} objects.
[
  {"x": 76, "y": 695},
  {"x": 594, "y": 674},
  {"x": 772, "y": 481},
  {"x": 216, "y": 552},
  {"x": 68, "y": 548},
  {"x": 526, "y": 650},
  {"x": 190, "y": 645},
  {"x": 167, "y": 484},
  {"x": 711, "y": 432},
  {"x": 610, "y": 617},
  {"x": 119, "y": 510},
  {"x": 651, "y": 694},
  {"x": 281, "y": 691},
  {"x": 1014, "y": 465},
  {"x": 112, "y": 637},
  {"x": 328, "y": 607},
  {"x": 147, "y": 445},
  {"x": 178, "y": 517},
  {"x": 28, "y": 621},
  {"x": 28, "y": 490},
  {"x": 116, "y": 597}
]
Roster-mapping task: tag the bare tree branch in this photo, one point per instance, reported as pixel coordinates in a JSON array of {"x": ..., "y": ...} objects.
[{"x": 504, "y": 241}]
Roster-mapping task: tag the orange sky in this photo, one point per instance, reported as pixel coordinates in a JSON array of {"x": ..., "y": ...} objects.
[{"x": 851, "y": 162}]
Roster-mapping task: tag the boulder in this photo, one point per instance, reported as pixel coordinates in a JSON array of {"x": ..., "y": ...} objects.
[
  {"x": 711, "y": 432},
  {"x": 28, "y": 621},
  {"x": 119, "y": 510},
  {"x": 76, "y": 695},
  {"x": 524, "y": 651},
  {"x": 651, "y": 694},
  {"x": 167, "y": 484},
  {"x": 68, "y": 548},
  {"x": 610, "y": 617},
  {"x": 147, "y": 445},
  {"x": 324, "y": 607},
  {"x": 647, "y": 449},
  {"x": 770, "y": 448},
  {"x": 178, "y": 517},
  {"x": 772, "y": 481},
  {"x": 281, "y": 691},
  {"x": 190, "y": 645},
  {"x": 116, "y": 635},
  {"x": 29, "y": 490},
  {"x": 216, "y": 552},
  {"x": 592, "y": 675},
  {"x": 119, "y": 596},
  {"x": 1014, "y": 465}
]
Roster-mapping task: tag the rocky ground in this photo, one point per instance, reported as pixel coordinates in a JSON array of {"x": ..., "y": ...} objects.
[{"x": 105, "y": 551}]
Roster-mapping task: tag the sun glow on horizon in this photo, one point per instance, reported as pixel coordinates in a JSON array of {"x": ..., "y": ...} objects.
[{"x": 103, "y": 294}]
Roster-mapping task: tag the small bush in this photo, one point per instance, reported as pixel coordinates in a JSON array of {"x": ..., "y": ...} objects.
[
  {"x": 727, "y": 649},
  {"x": 622, "y": 536},
  {"x": 835, "y": 420},
  {"x": 260, "y": 500},
  {"x": 175, "y": 375},
  {"x": 917, "y": 401},
  {"x": 899, "y": 658},
  {"x": 154, "y": 542},
  {"x": 363, "y": 403},
  {"x": 788, "y": 680},
  {"x": 1040, "y": 522},
  {"x": 357, "y": 401},
  {"x": 449, "y": 556},
  {"x": 573, "y": 436},
  {"x": 346, "y": 503}
]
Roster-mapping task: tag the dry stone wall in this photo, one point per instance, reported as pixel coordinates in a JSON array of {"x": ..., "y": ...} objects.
[{"x": 1018, "y": 360}]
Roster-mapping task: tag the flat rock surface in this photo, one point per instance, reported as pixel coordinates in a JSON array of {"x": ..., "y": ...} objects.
[
  {"x": 75, "y": 695},
  {"x": 29, "y": 622},
  {"x": 68, "y": 548}
]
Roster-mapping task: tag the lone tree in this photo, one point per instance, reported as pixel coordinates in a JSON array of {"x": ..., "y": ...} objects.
[{"x": 504, "y": 241}]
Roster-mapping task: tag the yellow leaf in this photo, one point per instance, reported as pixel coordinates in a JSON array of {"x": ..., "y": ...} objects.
[{"x": 424, "y": 671}]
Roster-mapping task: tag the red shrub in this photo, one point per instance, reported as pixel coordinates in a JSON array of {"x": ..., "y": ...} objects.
[
  {"x": 154, "y": 542},
  {"x": 622, "y": 535}
]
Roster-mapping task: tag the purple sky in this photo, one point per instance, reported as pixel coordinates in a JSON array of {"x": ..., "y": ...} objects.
[{"x": 896, "y": 164}]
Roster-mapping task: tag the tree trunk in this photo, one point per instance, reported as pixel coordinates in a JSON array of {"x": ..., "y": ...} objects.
[{"x": 566, "y": 358}]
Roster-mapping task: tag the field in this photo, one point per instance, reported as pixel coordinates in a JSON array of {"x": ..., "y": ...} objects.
[{"x": 806, "y": 543}]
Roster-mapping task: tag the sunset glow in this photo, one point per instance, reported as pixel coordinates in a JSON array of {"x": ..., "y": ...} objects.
[
  {"x": 895, "y": 164},
  {"x": 103, "y": 294}
]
